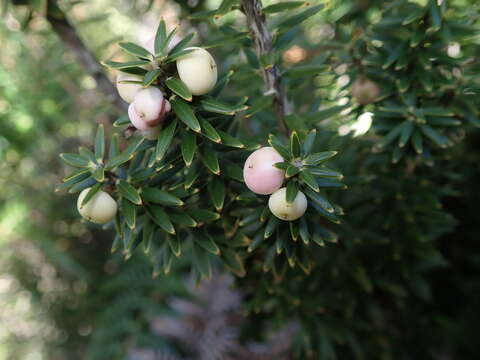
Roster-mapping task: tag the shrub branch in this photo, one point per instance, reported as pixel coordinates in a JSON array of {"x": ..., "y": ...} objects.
[{"x": 262, "y": 39}]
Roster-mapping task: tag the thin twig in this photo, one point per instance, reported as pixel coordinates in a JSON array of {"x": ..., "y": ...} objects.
[
  {"x": 69, "y": 36},
  {"x": 262, "y": 39}
]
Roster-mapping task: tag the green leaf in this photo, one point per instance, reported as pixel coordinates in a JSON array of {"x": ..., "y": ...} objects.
[
  {"x": 125, "y": 65},
  {"x": 406, "y": 133},
  {"x": 292, "y": 191},
  {"x": 164, "y": 140},
  {"x": 309, "y": 180},
  {"x": 188, "y": 147},
  {"x": 391, "y": 135},
  {"x": 292, "y": 170},
  {"x": 100, "y": 143},
  {"x": 299, "y": 18},
  {"x": 160, "y": 38},
  {"x": 87, "y": 154},
  {"x": 328, "y": 183},
  {"x": 215, "y": 106},
  {"x": 175, "y": 245},
  {"x": 417, "y": 142},
  {"x": 158, "y": 196},
  {"x": 161, "y": 218},
  {"x": 75, "y": 160},
  {"x": 257, "y": 241},
  {"x": 303, "y": 231},
  {"x": 309, "y": 141},
  {"x": 135, "y": 49},
  {"x": 294, "y": 230},
  {"x": 192, "y": 175},
  {"x": 216, "y": 188},
  {"x": 210, "y": 160},
  {"x": 209, "y": 131},
  {"x": 435, "y": 136},
  {"x": 203, "y": 216},
  {"x": 435, "y": 15},
  {"x": 81, "y": 185},
  {"x": 185, "y": 113},
  {"x": 151, "y": 76},
  {"x": 234, "y": 171},
  {"x": 226, "y": 6},
  {"x": 178, "y": 87},
  {"x": 147, "y": 234},
  {"x": 287, "y": 5},
  {"x": 328, "y": 215},
  {"x": 201, "y": 261},
  {"x": 295, "y": 144},
  {"x": 118, "y": 160},
  {"x": 229, "y": 140},
  {"x": 183, "y": 219},
  {"x": 325, "y": 172},
  {"x": 278, "y": 146},
  {"x": 99, "y": 174},
  {"x": 206, "y": 242},
  {"x": 72, "y": 179},
  {"x": 121, "y": 121},
  {"x": 174, "y": 56},
  {"x": 91, "y": 193},
  {"x": 318, "y": 158},
  {"x": 129, "y": 212},
  {"x": 320, "y": 200},
  {"x": 271, "y": 226},
  {"x": 114, "y": 148},
  {"x": 129, "y": 192},
  {"x": 182, "y": 44},
  {"x": 233, "y": 261}
]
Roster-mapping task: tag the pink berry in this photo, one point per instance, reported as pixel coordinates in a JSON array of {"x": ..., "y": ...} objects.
[
  {"x": 136, "y": 120},
  {"x": 259, "y": 173}
]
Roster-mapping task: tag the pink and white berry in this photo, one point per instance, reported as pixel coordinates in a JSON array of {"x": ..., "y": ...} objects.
[{"x": 259, "y": 173}]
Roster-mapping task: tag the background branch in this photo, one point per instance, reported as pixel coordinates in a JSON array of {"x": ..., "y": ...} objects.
[
  {"x": 262, "y": 39},
  {"x": 70, "y": 38}
]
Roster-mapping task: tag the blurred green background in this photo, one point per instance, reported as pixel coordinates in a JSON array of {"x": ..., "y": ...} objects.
[{"x": 62, "y": 294}]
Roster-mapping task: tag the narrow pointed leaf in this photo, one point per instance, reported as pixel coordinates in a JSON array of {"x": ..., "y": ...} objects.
[
  {"x": 278, "y": 146},
  {"x": 91, "y": 193},
  {"x": 229, "y": 140},
  {"x": 100, "y": 143},
  {"x": 209, "y": 131},
  {"x": 317, "y": 158},
  {"x": 210, "y": 160},
  {"x": 320, "y": 200},
  {"x": 295, "y": 144},
  {"x": 164, "y": 140},
  {"x": 129, "y": 192},
  {"x": 234, "y": 262},
  {"x": 129, "y": 212},
  {"x": 160, "y": 38},
  {"x": 75, "y": 160},
  {"x": 178, "y": 87},
  {"x": 135, "y": 49},
  {"x": 292, "y": 191},
  {"x": 188, "y": 147},
  {"x": 185, "y": 113},
  {"x": 203, "y": 216},
  {"x": 206, "y": 242},
  {"x": 151, "y": 76},
  {"x": 216, "y": 189},
  {"x": 175, "y": 244},
  {"x": 271, "y": 226},
  {"x": 161, "y": 218},
  {"x": 158, "y": 196},
  {"x": 309, "y": 141},
  {"x": 309, "y": 180}
]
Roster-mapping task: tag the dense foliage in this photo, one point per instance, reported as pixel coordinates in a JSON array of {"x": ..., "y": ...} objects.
[{"x": 387, "y": 273}]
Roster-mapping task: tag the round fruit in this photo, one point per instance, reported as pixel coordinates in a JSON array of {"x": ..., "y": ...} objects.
[
  {"x": 136, "y": 120},
  {"x": 259, "y": 173},
  {"x": 100, "y": 209},
  {"x": 282, "y": 209},
  {"x": 365, "y": 91},
  {"x": 198, "y": 71},
  {"x": 127, "y": 91},
  {"x": 150, "y": 105}
]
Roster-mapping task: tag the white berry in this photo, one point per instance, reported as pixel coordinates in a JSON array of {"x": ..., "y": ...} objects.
[
  {"x": 197, "y": 70},
  {"x": 100, "y": 209},
  {"x": 280, "y": 208}
]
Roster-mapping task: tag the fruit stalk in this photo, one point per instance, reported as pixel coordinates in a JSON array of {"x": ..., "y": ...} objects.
[{"x": 262, "y": 39}]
